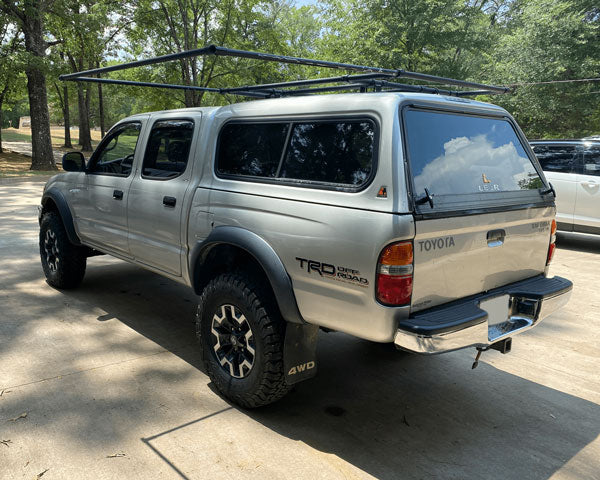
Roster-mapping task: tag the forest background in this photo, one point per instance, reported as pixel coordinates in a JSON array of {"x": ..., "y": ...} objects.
[{"x": 548, "y": 50}]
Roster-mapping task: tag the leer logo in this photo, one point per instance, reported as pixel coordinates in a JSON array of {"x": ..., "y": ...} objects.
[{"x": 485, "y": 179}]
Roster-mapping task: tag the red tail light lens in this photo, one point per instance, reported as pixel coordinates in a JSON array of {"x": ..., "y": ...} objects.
[
  {"x": 551, "y": 249},
  {"x": 552, "y": 245},
  {"x": 395, "y": 274}
]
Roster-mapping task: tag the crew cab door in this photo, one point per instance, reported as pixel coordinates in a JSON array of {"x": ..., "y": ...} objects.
[
  {"x": 157, "y": 195},
  {"x": 587, "y": 205},
  {"x": 481, "y": 218},
  {"x": 100, "y": 200}
]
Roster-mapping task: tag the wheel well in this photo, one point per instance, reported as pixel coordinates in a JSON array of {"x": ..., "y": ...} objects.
[
  {"x": 48, "y": 205},
  {"x": 223, "y": 258}
]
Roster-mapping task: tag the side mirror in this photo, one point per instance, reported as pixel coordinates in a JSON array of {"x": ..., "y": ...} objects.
[{"x": 73, "y": 162}]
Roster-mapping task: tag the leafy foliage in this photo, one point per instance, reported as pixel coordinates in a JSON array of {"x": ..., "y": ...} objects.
[{"x": 514, "y": 42}]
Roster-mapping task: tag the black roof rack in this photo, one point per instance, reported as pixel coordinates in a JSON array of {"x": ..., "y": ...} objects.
[{"x": 377, "y": 79}]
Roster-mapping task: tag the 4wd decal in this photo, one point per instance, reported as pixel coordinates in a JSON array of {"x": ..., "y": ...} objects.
[
  {"x": 327, "y": 270},
  {"x": 301, "y": 368}
]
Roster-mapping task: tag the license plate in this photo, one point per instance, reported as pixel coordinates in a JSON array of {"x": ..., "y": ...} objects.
[{"x": 497, "y": 310}]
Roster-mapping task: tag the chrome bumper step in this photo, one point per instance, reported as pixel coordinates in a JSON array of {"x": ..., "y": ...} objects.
[{"x": 483, "y": 319}]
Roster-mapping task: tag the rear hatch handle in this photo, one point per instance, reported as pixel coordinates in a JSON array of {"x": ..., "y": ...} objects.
[{"x": 495, "y": 238}]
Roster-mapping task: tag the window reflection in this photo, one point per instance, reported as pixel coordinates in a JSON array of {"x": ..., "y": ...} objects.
[{"x": 457, "y": 154}]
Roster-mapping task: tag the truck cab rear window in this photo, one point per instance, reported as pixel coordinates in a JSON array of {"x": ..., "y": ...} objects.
[
  {"x": 320, "y": 152},
  {"x": 461, "y": 154}
]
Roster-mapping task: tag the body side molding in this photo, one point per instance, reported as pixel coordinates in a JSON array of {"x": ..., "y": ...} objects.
[
  {"x": 64, "y": 211},
  {"x": 263, "y": 253}
]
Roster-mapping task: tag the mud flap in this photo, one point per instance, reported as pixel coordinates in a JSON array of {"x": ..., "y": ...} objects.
[{"x": 299, "y": 352}]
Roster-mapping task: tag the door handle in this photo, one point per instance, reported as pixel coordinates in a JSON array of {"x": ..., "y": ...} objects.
[
  {"x": 495, "y": 238},
  {"x": 590, "y": 183},
  {"x": 169, "y": 201},
  {"x": 118, "y": 194}
]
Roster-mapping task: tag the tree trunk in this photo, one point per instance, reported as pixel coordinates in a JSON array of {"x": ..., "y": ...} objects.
[
  {"x": 42, "y": 157},
  {"x": 85, "y": 138},
  {"x": 67, "y": 117},
  {"x": 2, "y": 95},
  {"x": 1, "y": 115}
]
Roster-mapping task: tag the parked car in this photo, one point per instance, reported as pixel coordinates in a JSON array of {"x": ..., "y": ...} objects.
[
  {"x": 420, "y": 220},
  {"x": 573, "y": 168}
]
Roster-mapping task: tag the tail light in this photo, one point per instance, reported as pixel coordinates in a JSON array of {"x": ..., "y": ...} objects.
[
  {"x": 395, "y": 274},
  {"x": 552, "y": 245}
]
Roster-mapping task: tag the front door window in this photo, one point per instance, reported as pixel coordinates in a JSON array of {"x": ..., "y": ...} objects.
[{"x": 115, "y": 154}]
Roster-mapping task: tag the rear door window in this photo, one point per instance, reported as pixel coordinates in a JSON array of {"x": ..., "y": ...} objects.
[
  {"x": 556, "y": 158},
  {"x": 453, "y": 154},
  {"x": 591, "y": 161},
  {"x": 168, "y": 149}
]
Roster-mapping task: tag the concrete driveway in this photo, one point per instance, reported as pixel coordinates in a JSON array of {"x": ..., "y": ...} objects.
[
  {"x": 25, "y": 148},
  {"x": 106, "y": 382}
]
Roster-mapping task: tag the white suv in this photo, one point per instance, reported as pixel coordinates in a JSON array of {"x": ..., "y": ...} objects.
[{"x": 573, "y": 168}]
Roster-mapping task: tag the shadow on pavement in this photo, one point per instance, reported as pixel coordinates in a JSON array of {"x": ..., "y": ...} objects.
[{"x": 388, "y": 413}]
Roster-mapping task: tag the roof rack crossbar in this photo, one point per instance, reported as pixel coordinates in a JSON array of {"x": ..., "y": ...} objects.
[
  {"x": 312, "y": 81},
  {"x": 269, "y": 89}
]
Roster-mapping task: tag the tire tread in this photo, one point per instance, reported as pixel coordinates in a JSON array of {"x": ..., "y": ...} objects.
[{"x": 271, "y": 327}]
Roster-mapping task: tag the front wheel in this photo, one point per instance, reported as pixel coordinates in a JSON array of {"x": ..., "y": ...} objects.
[
  {"x": 63, "y": 263},
  {"x": 242, "y": 333}
]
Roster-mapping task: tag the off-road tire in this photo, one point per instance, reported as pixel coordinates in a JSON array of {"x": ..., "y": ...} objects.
[
  {"x": 66, "y": 268},
  {"x": 265, "y": 382}
]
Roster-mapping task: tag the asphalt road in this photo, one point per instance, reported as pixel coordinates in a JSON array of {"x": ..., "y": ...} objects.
[{"x": 106, "y": 382}]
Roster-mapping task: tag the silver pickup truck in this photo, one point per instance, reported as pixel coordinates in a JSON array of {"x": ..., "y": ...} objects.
[{"x": 415, "y": 219}]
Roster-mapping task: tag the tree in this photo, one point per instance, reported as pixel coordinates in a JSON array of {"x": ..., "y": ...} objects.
[
  {"x": 437, "y": 36},
  {"x": 549, "y": 41},
  {"x": 87, "y": 30},
  {"x": 178, "y": 25},
  {"x": 28, "y": 15},
  {"x": 9, "y": 43}
]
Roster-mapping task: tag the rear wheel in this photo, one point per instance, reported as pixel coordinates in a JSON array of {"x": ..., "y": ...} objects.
[
  {"x": 63, "y": 262},
  {"x": 242, "y": 333}
]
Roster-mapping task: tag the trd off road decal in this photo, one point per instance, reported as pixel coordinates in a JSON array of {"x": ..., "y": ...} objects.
[{"x": 327, "y": 270}]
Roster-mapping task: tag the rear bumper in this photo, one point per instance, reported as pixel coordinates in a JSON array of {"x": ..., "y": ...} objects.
[{"x": 483, "y": 319}]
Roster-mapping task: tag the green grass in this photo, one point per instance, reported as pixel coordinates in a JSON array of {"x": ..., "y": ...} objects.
[
  {"x": 17, "y": 165},
  {"x": 56, "y": 134},
  {"x": 10, "y": 136}
]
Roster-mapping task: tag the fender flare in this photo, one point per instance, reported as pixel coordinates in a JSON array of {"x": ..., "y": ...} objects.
[
  {"x": 64, "y": 211},
  {"x": 263, "y": 253}
]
